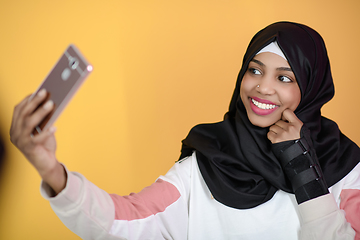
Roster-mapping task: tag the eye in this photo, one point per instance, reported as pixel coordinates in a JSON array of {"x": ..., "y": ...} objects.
[
  {"x": 254, "y": 71},
  {"x": 285, "y": 79}
]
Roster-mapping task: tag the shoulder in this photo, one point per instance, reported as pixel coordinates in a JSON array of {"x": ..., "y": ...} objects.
[
  {"x": 350, "y": 181},
  {"x": 180, "y": 174},
  {"x": 183, "y": 166}
]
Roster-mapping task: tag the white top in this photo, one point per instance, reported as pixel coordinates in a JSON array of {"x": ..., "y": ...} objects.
[{"x": 180, "y": 206}]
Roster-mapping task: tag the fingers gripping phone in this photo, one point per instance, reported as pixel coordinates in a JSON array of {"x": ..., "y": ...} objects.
[{"x": 62, "y": 82}]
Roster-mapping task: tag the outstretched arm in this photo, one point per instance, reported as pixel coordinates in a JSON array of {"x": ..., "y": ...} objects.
[{"x": 38, "y": 149}]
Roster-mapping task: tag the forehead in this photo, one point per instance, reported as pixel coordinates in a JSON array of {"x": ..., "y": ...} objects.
[{"x": 269, "y": 60}]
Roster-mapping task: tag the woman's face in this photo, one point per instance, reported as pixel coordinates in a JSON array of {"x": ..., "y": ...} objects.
[{"x": 268, "y": 88}]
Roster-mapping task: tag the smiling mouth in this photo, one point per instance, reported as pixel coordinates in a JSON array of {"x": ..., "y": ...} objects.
[{"x": 264, "y": 106}]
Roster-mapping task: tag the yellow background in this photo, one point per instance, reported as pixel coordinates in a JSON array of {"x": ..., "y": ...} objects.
[{"x": 160, "y": 67}]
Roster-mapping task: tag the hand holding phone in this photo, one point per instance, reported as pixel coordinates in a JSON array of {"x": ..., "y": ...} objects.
[
  {"x": 59, "y": 86},
  {"x": 62, "y": 82}
]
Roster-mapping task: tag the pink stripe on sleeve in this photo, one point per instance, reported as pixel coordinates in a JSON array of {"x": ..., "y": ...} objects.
[
  {"x": 350, "y": 203},
  {"x": 151, "y": 200}
]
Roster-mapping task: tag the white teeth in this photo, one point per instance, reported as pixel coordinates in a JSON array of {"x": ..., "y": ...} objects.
[{"x": 263, "y": 105}]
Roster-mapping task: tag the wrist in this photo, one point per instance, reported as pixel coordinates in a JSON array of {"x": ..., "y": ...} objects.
[
  {"x": 300, "y": 164},
  {"x": 55, "y": 177}
]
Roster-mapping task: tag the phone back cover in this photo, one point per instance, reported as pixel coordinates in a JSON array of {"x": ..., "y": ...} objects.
[{"x": 61, "y": 90}]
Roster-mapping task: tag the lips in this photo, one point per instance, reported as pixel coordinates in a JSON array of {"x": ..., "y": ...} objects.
[{"x": 262, "y": 106}]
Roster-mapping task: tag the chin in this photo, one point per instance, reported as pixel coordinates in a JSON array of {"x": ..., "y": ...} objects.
[
  {"x": 262, "y": 122},
  {"x": 262, "y": 125}
]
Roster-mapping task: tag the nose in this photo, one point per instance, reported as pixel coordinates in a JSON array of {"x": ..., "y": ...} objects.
[{"x": 266, "y": 86}]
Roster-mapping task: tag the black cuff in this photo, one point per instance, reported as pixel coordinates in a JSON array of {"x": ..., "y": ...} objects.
[{"x": 301, "y": 166}]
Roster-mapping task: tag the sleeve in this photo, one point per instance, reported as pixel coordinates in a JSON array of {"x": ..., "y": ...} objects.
[
  {"x": 322, "y": 219},
  {"x": 321, "y": 216},
  {"x": 157, "y": 212},
  {"x": 350, "y": 199}
]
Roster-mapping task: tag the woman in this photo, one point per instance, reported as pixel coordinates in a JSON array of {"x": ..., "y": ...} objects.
[{"x": 273, "y": 169}]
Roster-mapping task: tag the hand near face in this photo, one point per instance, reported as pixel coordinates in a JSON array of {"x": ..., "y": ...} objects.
[{"x": 287, "y": 128}]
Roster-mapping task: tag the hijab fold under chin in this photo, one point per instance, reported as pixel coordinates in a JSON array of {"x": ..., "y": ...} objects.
[{"x": 235, "y": 157}]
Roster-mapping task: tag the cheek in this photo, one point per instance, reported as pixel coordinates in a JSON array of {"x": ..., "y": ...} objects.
[
  {"x": 245, "y": 87},
  {"x": 293, "y": 98}
]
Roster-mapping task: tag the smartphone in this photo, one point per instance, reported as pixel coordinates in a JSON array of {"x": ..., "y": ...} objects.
[{"x": 62, "y": 82}]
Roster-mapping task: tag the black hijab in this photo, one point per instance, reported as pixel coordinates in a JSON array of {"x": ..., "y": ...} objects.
[{"x": 235, "y": 157}]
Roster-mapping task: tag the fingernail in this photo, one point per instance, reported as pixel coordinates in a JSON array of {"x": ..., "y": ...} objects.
[
  {"x": 49, "y": 104},
  {"x": 42, "y": 92},
  {"x": 52, "y": 129}
]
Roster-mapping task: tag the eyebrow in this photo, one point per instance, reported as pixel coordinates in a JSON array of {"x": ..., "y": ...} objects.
[{"x": 263, "y": 65}]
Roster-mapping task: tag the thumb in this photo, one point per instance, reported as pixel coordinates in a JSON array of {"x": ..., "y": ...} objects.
[{"x": 289, "y": 116}]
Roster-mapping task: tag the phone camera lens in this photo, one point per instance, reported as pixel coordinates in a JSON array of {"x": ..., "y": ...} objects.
[{"x": 73, "y": 63}]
